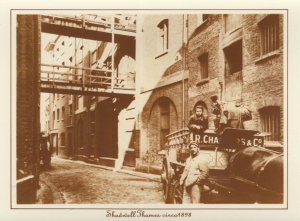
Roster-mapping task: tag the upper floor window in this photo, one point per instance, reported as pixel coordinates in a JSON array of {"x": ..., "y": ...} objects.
[
  {"x": 203, "y": 65},
  {"x": 63, "y": 112},
  {"x": 57, "y": 114},
  {"x": 233, "y": 58},
  {"x": 270, "y": 122},
  {"x": 232, "y": 21},
  {"x": 269, "y": 34},
  {"x": 162, "y": 36}
]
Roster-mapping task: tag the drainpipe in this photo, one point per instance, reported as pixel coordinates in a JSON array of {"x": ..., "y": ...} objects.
[{"x": 184, "y": 47}]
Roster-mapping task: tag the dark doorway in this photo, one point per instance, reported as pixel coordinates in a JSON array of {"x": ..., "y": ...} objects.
[
  {"x": 70, "y": 143},
  {"x": 107, "y": 129},
  {"x": 164, "y": 106},
  {"x": 80, "y": 137},
  {"x": 54, "y": 143}
]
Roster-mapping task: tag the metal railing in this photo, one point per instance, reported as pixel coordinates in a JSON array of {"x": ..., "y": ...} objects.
[
  {"x": 89, "y": 77},
  {"x": 176, "y": 141},
  {"x": 93, "y": 21}
]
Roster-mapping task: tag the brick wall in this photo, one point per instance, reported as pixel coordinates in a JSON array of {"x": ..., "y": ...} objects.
[
  {"x": 205, "y": 39},
  {"x": 262, "y": 79},
  {"x": 150, "y": 116},
  {"x": 28, "y": 98}
]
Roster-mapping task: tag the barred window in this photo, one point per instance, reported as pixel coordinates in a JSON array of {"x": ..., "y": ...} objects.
[
  {"x": 269, "y": 34},
  {"x": 270, "y": 122},
  {"x": 203, "y": 65}
]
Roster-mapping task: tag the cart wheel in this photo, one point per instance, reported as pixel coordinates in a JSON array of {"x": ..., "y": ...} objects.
[
  {"x": 165, "y": 179},
  {"x": 176, "y": 193}
]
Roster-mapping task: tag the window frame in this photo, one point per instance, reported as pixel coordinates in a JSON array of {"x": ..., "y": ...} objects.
[
  {"x": 203, "y": 59},
  {"x": 270, "y": 22},
  {"x": 228, "y": 58},
  {"x": 162, "y": 37},
  {"x": 267, "y": 116}
]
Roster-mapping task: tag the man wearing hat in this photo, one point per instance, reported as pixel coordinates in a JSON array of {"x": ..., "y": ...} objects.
[{"x": 195, "y": 173}]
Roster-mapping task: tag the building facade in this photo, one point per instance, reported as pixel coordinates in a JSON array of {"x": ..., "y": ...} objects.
[
  {"x": 179, "y": 62},
  {"x": 88, "y": 127},
  {"x": 187, "y": 59},
  {"x": 240, "y": 57}
]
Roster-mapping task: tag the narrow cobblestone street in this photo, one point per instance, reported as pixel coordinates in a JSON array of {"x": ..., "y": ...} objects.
[{"x": 76, "y": 183}]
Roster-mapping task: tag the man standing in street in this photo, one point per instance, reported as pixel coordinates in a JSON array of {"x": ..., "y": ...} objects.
[
  {"x": 195, "y": 174},
  {"x": 198, "y": 123}
]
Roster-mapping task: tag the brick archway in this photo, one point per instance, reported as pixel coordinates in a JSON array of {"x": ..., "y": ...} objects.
[{"x": 162, "y": 120}]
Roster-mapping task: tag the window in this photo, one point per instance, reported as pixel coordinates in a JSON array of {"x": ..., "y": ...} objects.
[
  {"x": 63, "y": 113},
  {"x": 233, "y": 58},
  {"x": 57, "y": 114},
  {"x": 269, "y": 34},
  {"x": 162, "y": 41},
  {"x": 53, "y": 116},
  {"x": 270, "y": 122},
  {"x": 62, "y": 139},
  {"x": 203, "y": 63},
  {"x": 232, "y": 22},
  {"x": 70, "y": 113}
]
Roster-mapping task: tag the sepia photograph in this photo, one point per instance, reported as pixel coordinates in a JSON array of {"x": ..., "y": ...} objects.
[{"x": 155, "y": 107}]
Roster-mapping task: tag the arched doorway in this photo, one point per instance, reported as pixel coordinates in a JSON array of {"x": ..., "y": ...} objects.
[{"x": 162, "y": 121}]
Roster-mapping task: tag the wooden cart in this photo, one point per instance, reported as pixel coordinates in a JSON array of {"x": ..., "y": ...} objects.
[{"x": 241, "y": 170}]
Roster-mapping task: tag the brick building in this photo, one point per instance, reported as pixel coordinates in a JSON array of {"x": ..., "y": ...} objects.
[
  {"x": 163, "y": 80},
  {"x": 233, "y": 56},
  {"x": 240, "y": 57},
  {"x": 88, "y": 127}
]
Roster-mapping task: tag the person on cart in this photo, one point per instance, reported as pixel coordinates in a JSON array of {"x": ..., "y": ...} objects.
[
  {"x": 198, "y": 123},
  {"x": 195, "y": 174}
]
